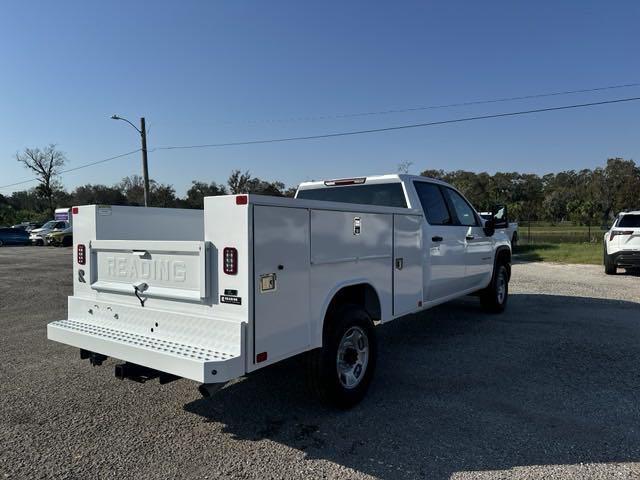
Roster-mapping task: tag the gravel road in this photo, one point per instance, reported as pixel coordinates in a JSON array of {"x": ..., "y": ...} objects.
[{"x": 547, "y": 390}]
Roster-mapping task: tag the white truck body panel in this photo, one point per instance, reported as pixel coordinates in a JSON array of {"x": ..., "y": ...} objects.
[{"x": 293, "y": 255}]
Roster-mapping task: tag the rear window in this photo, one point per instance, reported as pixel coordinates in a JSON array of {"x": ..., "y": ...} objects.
[
  {"x": 629, "y": 221},
  {"x": 380, "y": 194}
]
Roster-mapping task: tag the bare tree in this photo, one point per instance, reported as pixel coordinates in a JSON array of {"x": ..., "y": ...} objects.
[
  {"x": 46, "y": 163},
  {"x": 403, "y": 167}
]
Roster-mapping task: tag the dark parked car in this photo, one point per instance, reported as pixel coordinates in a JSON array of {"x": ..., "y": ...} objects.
[
  {"x": 13, "y": 236},
  {"x": 28, "y": 226}
]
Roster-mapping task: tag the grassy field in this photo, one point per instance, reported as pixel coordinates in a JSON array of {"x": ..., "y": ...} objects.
[{"x": 590, "y": 253}]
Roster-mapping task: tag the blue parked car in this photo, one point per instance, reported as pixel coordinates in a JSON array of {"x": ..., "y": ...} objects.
[{"x": 13, "y": 236}]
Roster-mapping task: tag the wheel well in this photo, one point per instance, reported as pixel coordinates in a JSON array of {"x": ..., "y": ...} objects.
[
  {"x": 362, "y": 294},
  {"x": 503, "y": 256}
]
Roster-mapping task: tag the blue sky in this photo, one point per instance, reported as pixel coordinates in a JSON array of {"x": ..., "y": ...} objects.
[{"x": 209, "y": 72}]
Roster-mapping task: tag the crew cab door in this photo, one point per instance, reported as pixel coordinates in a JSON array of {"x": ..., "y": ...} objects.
[
  {"x": 478, "y": 246},
  {"x": 444, "y": 244}
]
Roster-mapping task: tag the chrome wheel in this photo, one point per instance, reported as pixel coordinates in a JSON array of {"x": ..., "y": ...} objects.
[
  {"x": 501, "y": 287},
  {"x": 352, "y": 357}
]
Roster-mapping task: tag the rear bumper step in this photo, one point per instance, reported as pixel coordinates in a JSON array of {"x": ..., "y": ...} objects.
[{"x": 162, "y": 355}]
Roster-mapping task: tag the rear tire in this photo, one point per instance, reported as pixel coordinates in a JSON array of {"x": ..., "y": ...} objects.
[
  {"x": 341, "y": 371},
  {"x": 1, "y": 243},
  {"x": 494, "y": 298},
  {"x": 609, "y": 266}
]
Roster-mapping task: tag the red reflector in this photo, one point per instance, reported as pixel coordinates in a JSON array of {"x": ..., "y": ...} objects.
[
  {"x": 230, "y": 260},
  {"x": 261, "y": 357},
  {"x": 74, "y": 210},
  {"x": 81, "y": 255},
  {"x": 242, "y": 200}
]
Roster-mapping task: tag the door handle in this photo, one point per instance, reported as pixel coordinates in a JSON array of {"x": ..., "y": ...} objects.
[
  {"x": 469, "y": 237},
  {"x": 436, "y": 239}
]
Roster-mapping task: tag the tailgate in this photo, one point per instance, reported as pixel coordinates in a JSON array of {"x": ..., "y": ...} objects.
[
  {"x": 630, "y": 242},
  {"x": 170, "y": 269}
]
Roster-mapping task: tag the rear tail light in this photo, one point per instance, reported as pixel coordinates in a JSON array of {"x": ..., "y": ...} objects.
[
  {"x": 615, "y": 233},
  {"x": 81, "y": 254},
  {"x": 230, "y": 260}
]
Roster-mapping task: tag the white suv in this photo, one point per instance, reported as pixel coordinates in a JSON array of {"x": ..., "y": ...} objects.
[{"x": 622, "y": 243}]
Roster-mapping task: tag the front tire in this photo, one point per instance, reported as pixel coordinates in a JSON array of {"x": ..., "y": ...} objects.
[
  {"x": 341, "y": 371},
  {"x": 609, "y": 266},
  {"x": 494, "y": 297}
]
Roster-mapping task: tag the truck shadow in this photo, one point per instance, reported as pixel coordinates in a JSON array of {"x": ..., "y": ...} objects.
[{"x": 553, "y": 380}]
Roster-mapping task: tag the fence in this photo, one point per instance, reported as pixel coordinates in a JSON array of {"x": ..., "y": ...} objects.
[{"x": 563, "y": 232}]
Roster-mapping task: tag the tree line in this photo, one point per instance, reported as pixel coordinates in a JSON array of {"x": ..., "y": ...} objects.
[
  {"x": 588, "y": 196},
  {"x": 585, "y": 197}
]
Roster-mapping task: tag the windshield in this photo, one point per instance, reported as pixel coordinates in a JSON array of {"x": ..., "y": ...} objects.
[
  {"x": 629, "y": 221},
  {"x": 49, "y": 224},
  {"x": 380, "y": 194}
]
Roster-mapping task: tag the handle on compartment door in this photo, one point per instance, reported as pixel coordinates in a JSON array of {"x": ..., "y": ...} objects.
[{"x": 437, "y": 238}]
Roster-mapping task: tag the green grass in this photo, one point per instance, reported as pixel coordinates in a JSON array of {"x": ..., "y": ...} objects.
[{"x": 590, "y": 253}]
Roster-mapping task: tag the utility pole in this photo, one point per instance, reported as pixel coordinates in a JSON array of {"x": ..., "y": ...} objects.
[{"x": 145, "y": 167}]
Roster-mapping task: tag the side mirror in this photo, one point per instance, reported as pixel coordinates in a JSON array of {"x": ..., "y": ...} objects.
[
  {"x": 490, "y": 226},
  {"x": 500, "y": 216}
]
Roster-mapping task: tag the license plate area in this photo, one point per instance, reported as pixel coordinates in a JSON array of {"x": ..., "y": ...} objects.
[{"x": 173, "y": 269}]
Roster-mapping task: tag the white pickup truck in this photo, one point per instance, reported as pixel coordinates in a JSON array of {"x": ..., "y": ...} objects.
[
  {"x": 503, "y": 223},
  {"x": 251, "y": 280}
]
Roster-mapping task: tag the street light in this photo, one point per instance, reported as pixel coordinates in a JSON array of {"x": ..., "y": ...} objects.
[{"x": 143, "y": 136}]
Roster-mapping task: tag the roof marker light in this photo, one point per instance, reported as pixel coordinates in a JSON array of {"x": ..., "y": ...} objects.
[
  {"x": 242, "y": 200},
  {"x": 345, "y": 181}
]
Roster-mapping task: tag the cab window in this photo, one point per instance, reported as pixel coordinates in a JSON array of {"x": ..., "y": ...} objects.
[
  {"x": 433, "y": 203},
  {"x": 464, "y": 212},
  {"x": 379, "y": 194}
]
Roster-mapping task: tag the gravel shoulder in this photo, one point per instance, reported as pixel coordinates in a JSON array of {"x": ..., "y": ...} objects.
[{"x": 547, "y": 390}]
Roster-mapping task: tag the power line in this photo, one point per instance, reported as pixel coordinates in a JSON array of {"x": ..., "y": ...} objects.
[
  {"x": 434, "y": 107},
  {"x": 344, "y": 134},
  {"x": 399, "y": 127},
  {"x": 90, "y": 164}
]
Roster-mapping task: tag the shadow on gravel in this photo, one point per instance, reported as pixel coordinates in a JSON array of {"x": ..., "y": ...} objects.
[{"x": 554, "y": 380}]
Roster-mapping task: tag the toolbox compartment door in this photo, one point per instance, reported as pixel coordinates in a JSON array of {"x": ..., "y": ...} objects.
[
  {"x": 175, "y": 270},
  {"x": 407, "y": 263},
  {"x": 281, "y": 282}
]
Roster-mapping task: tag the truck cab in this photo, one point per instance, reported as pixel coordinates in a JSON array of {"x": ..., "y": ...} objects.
[{"x": 252, "y": 280}]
